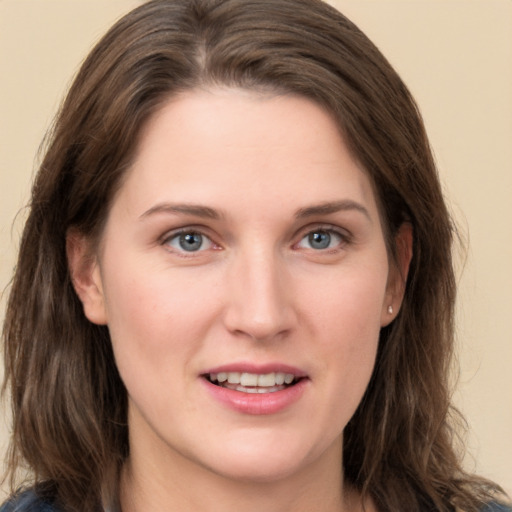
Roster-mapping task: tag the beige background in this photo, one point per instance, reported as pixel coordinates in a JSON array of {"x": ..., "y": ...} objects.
[{"x": 455, "y": 55}]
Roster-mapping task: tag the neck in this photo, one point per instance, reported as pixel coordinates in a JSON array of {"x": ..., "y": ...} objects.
[{"x": 185, "y": 486}]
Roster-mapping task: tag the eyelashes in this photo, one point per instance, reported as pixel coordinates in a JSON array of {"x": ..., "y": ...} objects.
[
  {"x": 322, "y": 240},
  {"x": 189, "y": 241},
  {"x": 193, "y": 241}
]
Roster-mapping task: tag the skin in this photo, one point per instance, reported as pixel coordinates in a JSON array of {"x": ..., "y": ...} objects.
[{"x": 257, "y": 292}]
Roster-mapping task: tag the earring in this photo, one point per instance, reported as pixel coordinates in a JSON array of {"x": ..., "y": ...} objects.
[{"x": 390, "y": 310}]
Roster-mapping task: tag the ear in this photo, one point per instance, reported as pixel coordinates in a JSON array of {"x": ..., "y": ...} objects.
[
  {"x": 398, "y": 271},
  {"x": 86, "y": 276}
]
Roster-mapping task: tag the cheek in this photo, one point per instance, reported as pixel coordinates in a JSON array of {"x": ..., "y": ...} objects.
[
  {"x": 150, "y": 296},
  {"x": 157, "y": 319},
  {"x": 347, "y": 318},
  {"x": 347, "y": 303}
]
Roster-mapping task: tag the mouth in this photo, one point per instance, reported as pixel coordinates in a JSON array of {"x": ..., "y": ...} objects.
[{"x": 253, "y": 382}]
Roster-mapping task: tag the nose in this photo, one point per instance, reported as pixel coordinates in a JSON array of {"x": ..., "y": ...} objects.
[{"x": 260, "y": 302}]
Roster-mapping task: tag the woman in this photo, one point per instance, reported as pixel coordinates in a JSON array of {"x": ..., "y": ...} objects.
[{"x": 234, "y": 287}]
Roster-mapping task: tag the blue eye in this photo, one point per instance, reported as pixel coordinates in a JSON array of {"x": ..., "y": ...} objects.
[
  {"x": 189, "y": 241},
  {"x": 321, "y": 239}
]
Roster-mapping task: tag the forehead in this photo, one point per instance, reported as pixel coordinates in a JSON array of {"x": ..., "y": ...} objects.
[{"x": 218, "y": 146}]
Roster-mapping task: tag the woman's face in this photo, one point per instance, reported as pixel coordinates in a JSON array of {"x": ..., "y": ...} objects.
[{"x": 243, "y": 251}]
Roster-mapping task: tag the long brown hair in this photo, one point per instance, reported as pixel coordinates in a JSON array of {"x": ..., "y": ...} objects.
[{"x": 69, "y": 403}]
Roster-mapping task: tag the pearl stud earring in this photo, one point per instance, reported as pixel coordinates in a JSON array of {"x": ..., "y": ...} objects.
[{"x": 390, "y": 310}]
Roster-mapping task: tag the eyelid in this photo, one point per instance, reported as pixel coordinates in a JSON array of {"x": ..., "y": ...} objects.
[
  {"x": 343, "y": 233},
  {"x": 173, "y": 233}
]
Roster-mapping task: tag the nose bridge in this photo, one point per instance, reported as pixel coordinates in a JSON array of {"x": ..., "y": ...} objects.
[{"x": 259, "y": 305}]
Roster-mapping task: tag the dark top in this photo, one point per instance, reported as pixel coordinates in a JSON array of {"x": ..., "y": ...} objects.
[{"x": 29, "y": 502}]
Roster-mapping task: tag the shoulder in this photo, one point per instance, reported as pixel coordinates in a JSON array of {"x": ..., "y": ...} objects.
[
  {"x": 27, "y": 501},
  {"x": 494, "y": 507}
]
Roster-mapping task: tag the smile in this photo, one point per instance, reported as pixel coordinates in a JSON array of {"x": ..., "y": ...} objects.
[
  {"x": 253, "y": 382},
  {"x": 256, "y": 389}
]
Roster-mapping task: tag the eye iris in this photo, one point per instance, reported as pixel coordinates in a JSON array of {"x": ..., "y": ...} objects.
[
  {"x": 319, "y": 240},
  {"x": 191, "y": 241}
]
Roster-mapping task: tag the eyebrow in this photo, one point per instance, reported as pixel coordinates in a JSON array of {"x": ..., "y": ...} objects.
[
  {"x": 206, "y": 212},
  {"x": 196, "y": 210},
  {"x": 331, "y": 207}
]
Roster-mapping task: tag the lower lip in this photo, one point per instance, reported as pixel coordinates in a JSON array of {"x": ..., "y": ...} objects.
[{"x": 257, "y": 403}]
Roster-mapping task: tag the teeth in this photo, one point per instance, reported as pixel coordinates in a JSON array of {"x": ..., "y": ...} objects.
[
  {"x": 234, "y": 378},
  {"x": 247, "y": 390},
  {"x": 262, "y": 380},
  {"x": 288, "y": 378},
  {"x": 259, "y": 390},
  {"x": 268, "y": 379},
  {"x": 249, "y": 379}
]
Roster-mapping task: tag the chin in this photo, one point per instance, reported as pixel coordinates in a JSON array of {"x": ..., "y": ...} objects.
[
  {"x": 264, "y": 472},
  {"x": 262, "y": 463}
]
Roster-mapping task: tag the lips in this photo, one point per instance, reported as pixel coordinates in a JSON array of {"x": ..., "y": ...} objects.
[{"x": 256, "y": 389}]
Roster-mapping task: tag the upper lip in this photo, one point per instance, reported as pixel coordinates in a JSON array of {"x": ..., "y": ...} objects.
[{"x": 260, "y": 369}]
